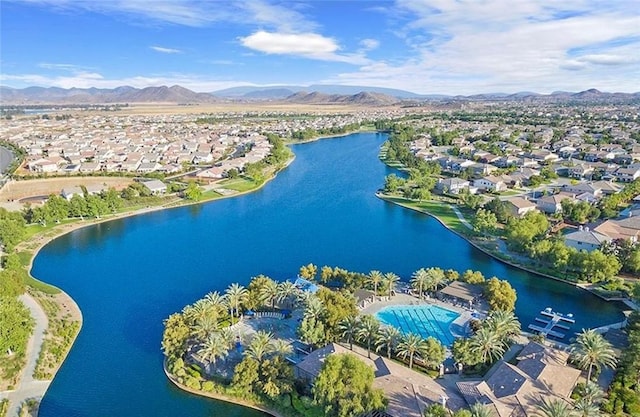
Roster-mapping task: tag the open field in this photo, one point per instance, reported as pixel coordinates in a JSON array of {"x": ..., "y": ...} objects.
[{"x": 16, "y": 190}]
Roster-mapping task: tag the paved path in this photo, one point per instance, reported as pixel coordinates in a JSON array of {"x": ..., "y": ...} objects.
[
  {"x": 460, "y": 216},
  {"x": 29, "y": 387}
]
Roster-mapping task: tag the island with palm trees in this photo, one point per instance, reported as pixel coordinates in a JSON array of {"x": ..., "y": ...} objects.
[{"x": 321, "y": 345}]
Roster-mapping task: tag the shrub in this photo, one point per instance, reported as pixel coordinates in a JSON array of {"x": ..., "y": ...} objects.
[{"x": 208, "y": 386}]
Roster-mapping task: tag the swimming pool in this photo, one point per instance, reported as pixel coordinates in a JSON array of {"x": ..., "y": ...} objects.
[{"x": 423, "y": 320}]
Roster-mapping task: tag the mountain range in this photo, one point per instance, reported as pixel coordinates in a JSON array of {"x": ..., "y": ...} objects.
[{"x": 315, "y": 94}]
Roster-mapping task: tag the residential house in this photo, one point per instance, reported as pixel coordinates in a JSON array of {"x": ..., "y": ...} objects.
[
  {"x": 627, "y": 228},
  {"x": 627, "y": 174},
  {"x": 585, "y": 239},
  {"x": 156, "y": 187},
  {"x": 517, "y": 390},
  {"x": 69, "y": 192},
  {"x": 581, "y": 170},
  {"x": 519, "y": 206},
  {"x": 408, "y": 391},
  {"x": 453, "y": 185},
  {"x": 552, "y": 204},
  {"x": 490, "y": 183}
]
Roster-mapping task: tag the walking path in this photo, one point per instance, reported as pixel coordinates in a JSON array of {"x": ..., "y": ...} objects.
[
  {"x": 29, "y": 387},
  {"x": 460, "y": 216}
]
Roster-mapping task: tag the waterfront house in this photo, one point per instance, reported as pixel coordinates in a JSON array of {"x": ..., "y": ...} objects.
[
  {"x": 452, "y": 185},
  {"x": 408, "y": 391},
  {"x": 585, "y": 239},
  {"x": 517, "y": 390},
  {"x": 156, "y": 187}
]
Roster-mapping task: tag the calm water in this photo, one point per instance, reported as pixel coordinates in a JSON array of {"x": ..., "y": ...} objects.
[{"x": 128, "y": 275}]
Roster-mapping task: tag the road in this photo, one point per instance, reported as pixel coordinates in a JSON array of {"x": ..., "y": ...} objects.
[
  {"x": 6, "y": 157},
  {"x": 29, "y": 387}
]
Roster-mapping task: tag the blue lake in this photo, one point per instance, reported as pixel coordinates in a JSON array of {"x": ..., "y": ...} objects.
[{"x": 128, "y": 275}]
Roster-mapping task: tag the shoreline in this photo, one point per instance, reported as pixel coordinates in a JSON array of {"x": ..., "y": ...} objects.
[
  {"x": 62, "y": 230},
  {"x": 218, "y": 396},
  {"x": 387, "y": 199}
]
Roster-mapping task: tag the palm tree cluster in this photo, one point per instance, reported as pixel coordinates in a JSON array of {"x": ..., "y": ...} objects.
[
  {"x": 377, "y": 280},
  {"x": 587, "y": 405},
  {"x": 388, "y": 340},
  {"x": 490, "y": 341},
  {"x": 426, "y": 280},
  {"x": 207, "y": 316}
]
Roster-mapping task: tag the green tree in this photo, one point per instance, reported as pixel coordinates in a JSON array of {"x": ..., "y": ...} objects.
[
  {"x": 419, "y": 280},
  {"x": 246, "y": 375},
  {"x": 344, "y": 387},
  {"x": 484, "y": 222},
  {"x": 174, "y": 336},
  {"x": 308, "y": 271},
  {"x": 480, "y": 410},
  {"x": 16, "y": 326},
  {"x": 500, "y": 295},
  {"x": 193, "y": 191},
  {"x": 338, "y": 305},
  {"x": 592, "y": 350},
  {"x": 260, "y": 346},
  {"x": 521, "y": 232}
]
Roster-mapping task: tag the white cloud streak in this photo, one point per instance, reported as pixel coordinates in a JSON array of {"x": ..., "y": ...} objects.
[{"x": 166, "y": 50}]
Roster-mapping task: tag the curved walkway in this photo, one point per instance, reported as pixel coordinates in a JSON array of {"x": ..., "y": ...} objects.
[{"x": 27, "y": 386}]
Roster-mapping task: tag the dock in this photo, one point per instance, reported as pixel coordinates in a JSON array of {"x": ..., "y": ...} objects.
[{"x": 557, "y": 320}]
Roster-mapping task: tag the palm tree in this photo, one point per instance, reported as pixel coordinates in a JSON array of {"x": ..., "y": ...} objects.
[
  {"x": 388, "y": 337},
  {"x": 592, "y": 350},
  {"x": 375, "y": 278},
  {"x": 409, "y": 345},
  {"x": 436, "y": 278},
  {"x": 555, "y": 408},
  {"x": 214, "y": 348},
  {"x": 313, "y": 309},
  {"x": 286, "y": 292},
  {"x": 235, "y": 294},
  {"x": 260, "y": 346},
  {"x": 480, "y": 410},
  {"x": 368, "y": 330},
  {"x": 420, "y": 280},
  {"x": 391, "y": 280},
  {"x": 280, "y": 347},
  {"x": 215, "y": 301},
  {"x": 269, "y": 292},
  {"x": 229, "y": 337},
  {"x": 205, "y": 326},
  {"x": 487, "y": 344},
  {"x": 584, "y": 408},
  {"x": 504, "y": 323},
  {"x": 349, "y": 329}
]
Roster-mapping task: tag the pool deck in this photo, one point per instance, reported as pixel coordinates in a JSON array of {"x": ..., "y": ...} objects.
[{"x": 457, "y": 327}]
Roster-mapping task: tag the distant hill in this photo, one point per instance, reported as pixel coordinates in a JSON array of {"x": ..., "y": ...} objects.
[
  {"x": 314, "y": 94},
  {"x": 124, "y": 94},
  {"x": 283, "y": 91},
  {"x": 360, "y": 98}
]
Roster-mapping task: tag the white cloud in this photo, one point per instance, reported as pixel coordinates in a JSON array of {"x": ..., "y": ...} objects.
[
  {"x": 289, "y": 43},
  {"x": 307, "y": 45},
  {"x": 503, "y": 45},
  {"x": 166, "y": 50},
  {"x": 369, "y": 44}
]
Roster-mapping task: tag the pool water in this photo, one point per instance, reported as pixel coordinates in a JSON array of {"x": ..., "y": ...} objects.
[{"x": 423, "y": 320}]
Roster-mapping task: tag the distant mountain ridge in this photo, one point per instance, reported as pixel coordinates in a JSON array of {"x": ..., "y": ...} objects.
[
  {"x": 124, "y": 94},
  {"x": 315, "y": 94}
]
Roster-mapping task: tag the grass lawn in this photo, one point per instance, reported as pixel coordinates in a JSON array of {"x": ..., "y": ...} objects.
[
  {"x": 443, "y": 212},
  {"x": 239, "y": 184}
]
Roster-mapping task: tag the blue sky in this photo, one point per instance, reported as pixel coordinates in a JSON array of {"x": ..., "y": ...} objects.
[{"x": 424, "y": 46}]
